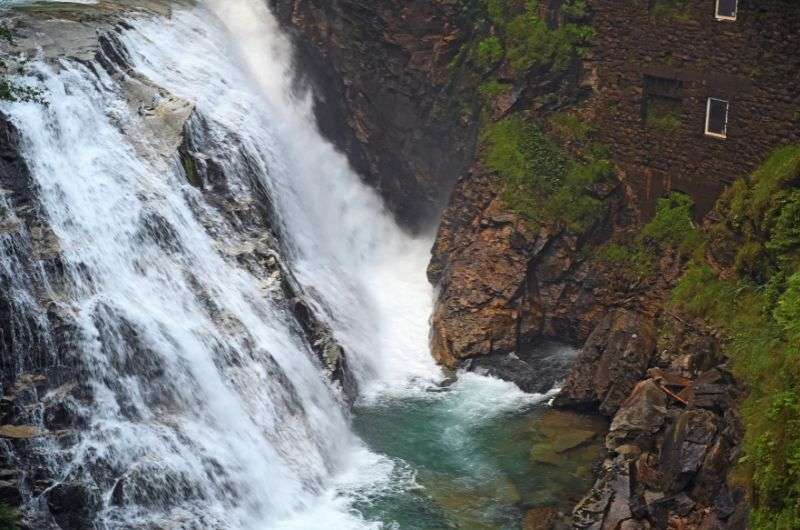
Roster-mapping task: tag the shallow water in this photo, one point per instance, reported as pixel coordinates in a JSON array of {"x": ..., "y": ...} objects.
[{"x": 469, "y": 448}]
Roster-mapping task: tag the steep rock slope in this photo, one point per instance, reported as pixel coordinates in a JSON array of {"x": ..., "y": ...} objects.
[{"x": 385, "y": 93}]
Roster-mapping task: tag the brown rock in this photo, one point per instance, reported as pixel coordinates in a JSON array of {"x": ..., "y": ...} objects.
[
  {"x": 19, "y": 432},
  {"x": 541, "y": 518},
  {"x": 641, "y": 415}
]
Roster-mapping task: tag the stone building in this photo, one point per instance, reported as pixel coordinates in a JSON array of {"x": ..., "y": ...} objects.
[{"x": 694, "y": 93}]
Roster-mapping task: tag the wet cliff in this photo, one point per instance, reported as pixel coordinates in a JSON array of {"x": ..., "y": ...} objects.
[{"x": 386, "y": 81}]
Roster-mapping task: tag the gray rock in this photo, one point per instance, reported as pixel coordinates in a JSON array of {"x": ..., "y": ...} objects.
[
  {"x": 615, "y": 357},
  {"x": 686, "y": 444}
]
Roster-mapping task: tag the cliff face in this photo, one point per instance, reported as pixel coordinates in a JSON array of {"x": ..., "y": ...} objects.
[{"x": 386, "y": 93}]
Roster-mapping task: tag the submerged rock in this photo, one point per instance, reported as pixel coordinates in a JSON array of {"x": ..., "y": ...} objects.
[
  {"x": 568, "y": 441},
  {"x": 541, "y": 518}
]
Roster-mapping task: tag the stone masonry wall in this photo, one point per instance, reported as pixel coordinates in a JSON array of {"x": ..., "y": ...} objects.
[{"x": 752, "y": 61}]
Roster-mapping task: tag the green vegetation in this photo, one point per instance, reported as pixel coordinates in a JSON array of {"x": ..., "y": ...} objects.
[
  {"x": 758, "y": 309},
  {"x": 492, "y": 89},
  {"x": 9, "y": 518},
  {"x": 526, "y": 38},
  {"x": 663, "y": 114},
  {"x": 671, "y": 228},
  {"x": 543, "y": 183},
  {"x": 672, "y": 9},
  {"x": 490, "y": 51},
  {"x": 569, "y": 127}
]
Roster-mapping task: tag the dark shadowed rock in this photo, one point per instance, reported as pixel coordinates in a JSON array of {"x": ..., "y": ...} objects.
[
  {"x": 72, "y": 505},
  {"x": 686, "y": 444},
  {"x": 534, "y": 369},
  {"x": 384, "y": 93},
  {"x": 615, "y": 357}
]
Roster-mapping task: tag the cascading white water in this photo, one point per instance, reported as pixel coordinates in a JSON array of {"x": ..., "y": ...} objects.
[{"x": 208, "y": 409}]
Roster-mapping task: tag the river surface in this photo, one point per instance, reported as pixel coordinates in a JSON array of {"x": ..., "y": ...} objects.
[{"x": 209, "y": 409}]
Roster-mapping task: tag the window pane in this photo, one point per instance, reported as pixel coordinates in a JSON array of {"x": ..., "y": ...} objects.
[
  {"x": 726, "y": 8},
  {"x": 717, "y": 116}
]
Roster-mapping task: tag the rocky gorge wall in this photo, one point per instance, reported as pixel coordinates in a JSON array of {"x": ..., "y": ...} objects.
[
  {"x": 384, "y": 88},
  {"x": 508, "y": 281}
]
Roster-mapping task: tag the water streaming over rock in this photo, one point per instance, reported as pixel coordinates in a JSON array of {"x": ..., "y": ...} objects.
[{"x": 200, "y": 400}]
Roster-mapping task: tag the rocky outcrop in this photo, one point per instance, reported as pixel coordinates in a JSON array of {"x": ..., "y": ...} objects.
[
  {"x": 386, "y": 93},
  {"x": 615, "y": 357},
  {"x": 503, "y": 286},
  {"x": 670, "y": 447}
]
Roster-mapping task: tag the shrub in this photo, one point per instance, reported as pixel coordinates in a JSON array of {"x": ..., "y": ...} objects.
[
  {"x": 490, "y": 51},
  {"x": 672, "y": 226},
  {"x": 542, "y": 182}
]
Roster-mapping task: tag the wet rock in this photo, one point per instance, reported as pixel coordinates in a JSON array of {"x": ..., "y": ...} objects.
[
  {"x": 535, "y": 369},
  {"x": 72, "y": 505},
  {"x": 686, "y": 444},
  {"x": 615, "y": 357},
  {"x": 10, "y": 488},
  {"x": 562, "y": 435},
  {"x": 607, "y": 505},
  {"x": 541, "y": 518},
  {"x": 640, "y": 416}
]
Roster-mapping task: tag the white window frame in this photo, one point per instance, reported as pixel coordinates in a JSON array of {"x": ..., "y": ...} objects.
[
  {"x": 724, "y": 17},
  {"x": 708, "y": 117}
]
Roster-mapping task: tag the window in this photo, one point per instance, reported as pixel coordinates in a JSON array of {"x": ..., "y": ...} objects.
[
  {"x": 662, "y": 110},
  {"x": 717, "y": 118},
  {"x": 726, "y": 9}
]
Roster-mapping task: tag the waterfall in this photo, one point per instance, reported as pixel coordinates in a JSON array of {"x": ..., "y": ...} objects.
[{"x": 208, "y": 408}]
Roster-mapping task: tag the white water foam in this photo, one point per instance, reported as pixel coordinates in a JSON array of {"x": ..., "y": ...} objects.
[{"x": 222, "y": 419}]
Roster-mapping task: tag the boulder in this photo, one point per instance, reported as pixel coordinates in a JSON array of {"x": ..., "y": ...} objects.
[
  {"x": 686, "y": 444},
  {"x": 72, "y": 505},
  {"x": 639, "y": 417},
  {"x": 615, "y": 357}
]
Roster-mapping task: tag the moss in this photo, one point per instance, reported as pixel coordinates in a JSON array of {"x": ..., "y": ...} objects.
[
  {"x": 671, "y": 228},
  {"x": 680, "y": 10},
  {"x": 631, "y": 261},
  {"x": 492, "y": 89},
  {"x": 542, "y": 182},
  {"x": 569, "y": 127},
  {"x": 663, "y": 114},
  {"x": 9, "y": 518}
]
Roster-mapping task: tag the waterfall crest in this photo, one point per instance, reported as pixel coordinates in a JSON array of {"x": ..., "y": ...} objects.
[{"x": 202, "y": 404}]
